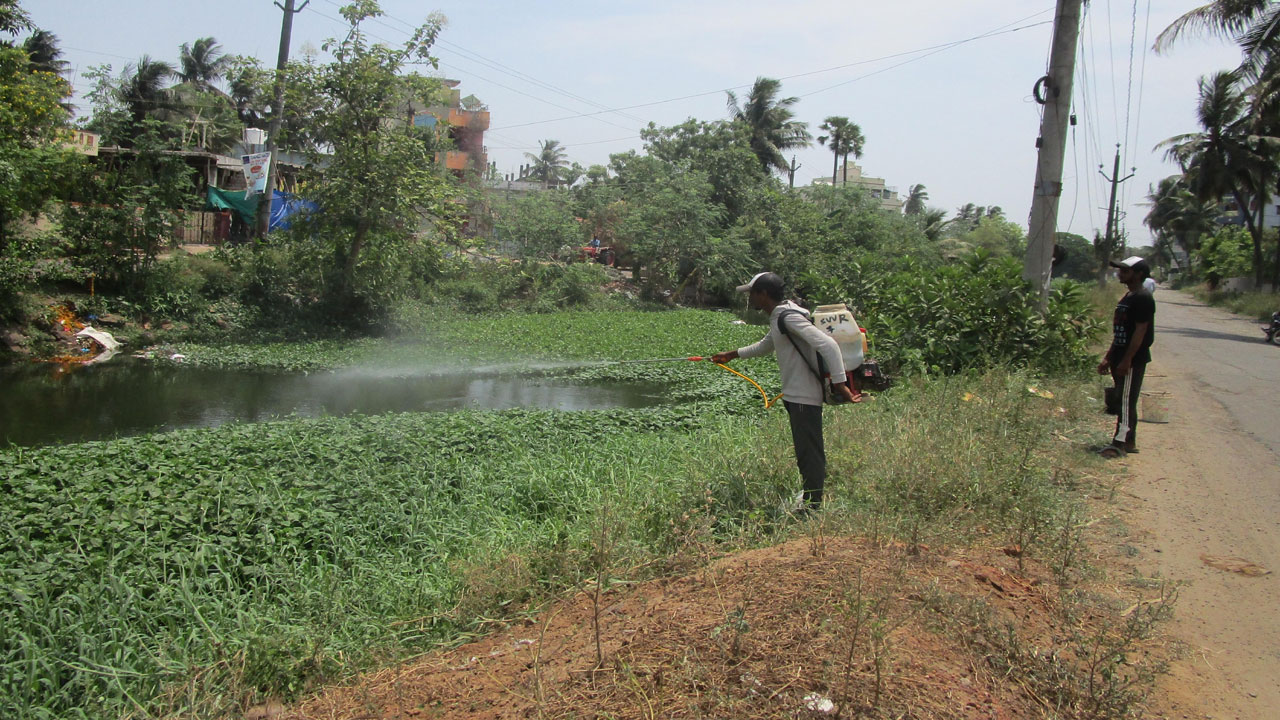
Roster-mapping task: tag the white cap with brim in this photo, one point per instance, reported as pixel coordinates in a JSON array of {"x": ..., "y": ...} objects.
[
  {"x": 1129, "y": 262},
  {"x": 752, "y": 281}
]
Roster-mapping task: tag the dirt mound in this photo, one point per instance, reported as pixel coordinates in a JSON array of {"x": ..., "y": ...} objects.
[{"x": 817, "y": 626}]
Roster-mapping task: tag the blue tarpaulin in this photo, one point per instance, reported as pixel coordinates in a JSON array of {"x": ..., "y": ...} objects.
[{"x": 283, "y": 206}]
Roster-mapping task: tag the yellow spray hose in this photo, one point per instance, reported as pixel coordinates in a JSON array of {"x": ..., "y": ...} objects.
[
  {"x": 696, "y": 358},
  {"x": 767, "y": 402}
]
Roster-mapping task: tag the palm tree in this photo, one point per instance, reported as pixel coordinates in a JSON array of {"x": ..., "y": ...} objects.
[
  {"x": 1226, "y": 158},
  {"x": 1254, "y": 24},
  {"x": 143, "y": 91},
  {"x": 770, "y": 122},
  {"x": 549, "y": 163},
  {"x": 933, "y": 223},
  {"x": 844, "y": 137},
  {"x": 202, "y": 64},
  {"x": 1178, "y": 216},
  {"x": 13, "y": 19},
  {"x": 43, "y": 53},
  {"x": 917, "y": 196}
]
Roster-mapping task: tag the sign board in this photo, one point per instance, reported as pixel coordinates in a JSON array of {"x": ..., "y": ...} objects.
[
  {"x": 85, "y": 142},
  {"x": 255, "y": 173}
]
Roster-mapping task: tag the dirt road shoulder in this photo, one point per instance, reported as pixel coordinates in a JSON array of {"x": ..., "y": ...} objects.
[{"x": 1204, "y": 493}]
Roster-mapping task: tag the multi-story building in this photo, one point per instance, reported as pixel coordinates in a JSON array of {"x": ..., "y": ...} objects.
[
  {"x": 465, "y": 128},
  {"x": 852, "y": 175}
]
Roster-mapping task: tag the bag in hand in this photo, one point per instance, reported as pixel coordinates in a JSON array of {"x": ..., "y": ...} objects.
[{"x": 1111, "y": 400}]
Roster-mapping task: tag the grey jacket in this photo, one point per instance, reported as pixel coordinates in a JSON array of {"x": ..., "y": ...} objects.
[{"x": 798, "y": 383}]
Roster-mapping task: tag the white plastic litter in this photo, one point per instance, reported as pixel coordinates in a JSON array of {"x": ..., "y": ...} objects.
[
  {"x": 101, "y": 337},
  {"x": 819, "y": 704}
]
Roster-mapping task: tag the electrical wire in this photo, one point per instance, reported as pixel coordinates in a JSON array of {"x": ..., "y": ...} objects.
[
  {"x": 1111, "y": 55},
  {"x": 476, "y": 57},
  {"x": 787, "y": 77},
  {"x": 1128, "y": 102}
]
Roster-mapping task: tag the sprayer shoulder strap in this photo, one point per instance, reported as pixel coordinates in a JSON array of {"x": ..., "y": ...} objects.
[{"x": 782, "y": 328}]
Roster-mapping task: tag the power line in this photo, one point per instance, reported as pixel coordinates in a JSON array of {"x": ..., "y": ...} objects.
[
  {"x": 473, "y": 56},
  {"x": 1111, "y": 55},
  {"x": 1128, "y": 103},
  {"x": 534, "y": 97},
  {"x": 592, "y": 142},
  {"x": 787, "y": 77},
  {"x": 939, "y": 49},
  {"x": 98, "y": 52},
  {"x": 1142, "y": 75}
]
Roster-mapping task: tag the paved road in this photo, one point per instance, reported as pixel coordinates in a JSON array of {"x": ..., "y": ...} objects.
[
  {"x": 1207, "y": 484},
  {"x": 1226, "y": 354}
]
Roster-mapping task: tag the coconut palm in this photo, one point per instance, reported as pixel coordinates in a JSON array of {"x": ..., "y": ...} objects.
[
  {"x": 1225, "y": 158},
  {"x": 1254, "y": 24},
  {"x": 933, "y": 223},
  {"x": 43, "y": 53},
  {"x": 770, "y": 122},
  {"x": 202, "y": 64},
  {"x": 143, "y": 90},
  {"x": 549, "y": 163},
  {"x": 13, "y": 19},
  {"x": 844, "y": 137},
  {"x": 1177, "y": 216},
  {"x": 917, "y": 196}
]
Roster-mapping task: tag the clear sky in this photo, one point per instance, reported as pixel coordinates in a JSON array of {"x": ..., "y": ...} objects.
[{"x": 958, "y": 118}]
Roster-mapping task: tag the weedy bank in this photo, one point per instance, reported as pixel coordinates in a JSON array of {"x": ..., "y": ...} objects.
[{"x": 199, "y": 572}]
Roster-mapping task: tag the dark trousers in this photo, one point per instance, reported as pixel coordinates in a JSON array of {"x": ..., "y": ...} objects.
[
  {"x": 1129, "y": 388},
  {"x": 811, "y": 458}
]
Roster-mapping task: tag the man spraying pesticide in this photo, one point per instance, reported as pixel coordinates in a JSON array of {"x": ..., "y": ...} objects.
[{"x": 799, "y": 346}]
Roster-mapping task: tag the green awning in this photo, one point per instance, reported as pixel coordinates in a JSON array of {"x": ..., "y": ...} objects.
[{"x": 235, "y": 201}]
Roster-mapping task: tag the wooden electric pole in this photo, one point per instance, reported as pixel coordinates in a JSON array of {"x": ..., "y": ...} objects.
[
  {"x": 1054, "y": 92},
  {"x": 277, "y": 112}
]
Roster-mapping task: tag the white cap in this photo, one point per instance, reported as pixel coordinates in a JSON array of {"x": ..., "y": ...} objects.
[
  {"x": 1129, "y": 262},
  {"x": 752, "y": 281}
]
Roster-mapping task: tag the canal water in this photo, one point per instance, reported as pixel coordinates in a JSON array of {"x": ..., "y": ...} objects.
[{"x": 42, "y": 404}]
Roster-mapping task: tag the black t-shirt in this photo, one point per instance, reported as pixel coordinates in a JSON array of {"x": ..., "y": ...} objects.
[{"x": 1135, "y": 307}]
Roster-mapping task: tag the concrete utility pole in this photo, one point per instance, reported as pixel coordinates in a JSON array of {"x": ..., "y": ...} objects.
[
  {"x": 1054, "y": 92},
  {"x": 1112, "y": 219},
  {"x": 277, "y": 111},
  {"x": 791, "y": 172}
]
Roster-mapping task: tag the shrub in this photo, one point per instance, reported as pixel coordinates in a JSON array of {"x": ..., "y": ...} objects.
[{"x": 973, "y": 314}]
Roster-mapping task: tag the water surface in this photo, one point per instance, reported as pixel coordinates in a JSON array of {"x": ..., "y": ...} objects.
[{"x": 44, "y": 404}]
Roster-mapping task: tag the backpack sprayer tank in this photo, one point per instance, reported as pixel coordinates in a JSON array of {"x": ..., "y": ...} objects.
[{"x": 838, "y": 322}]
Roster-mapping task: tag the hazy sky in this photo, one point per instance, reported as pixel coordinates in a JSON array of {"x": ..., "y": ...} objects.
[{"x": 958, "y": 118}]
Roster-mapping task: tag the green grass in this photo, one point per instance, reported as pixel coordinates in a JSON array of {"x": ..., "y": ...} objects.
[{"x": 196, "y": 571}]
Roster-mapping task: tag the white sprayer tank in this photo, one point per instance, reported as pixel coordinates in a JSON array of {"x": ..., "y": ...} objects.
[{"x": 838, "y": 322}]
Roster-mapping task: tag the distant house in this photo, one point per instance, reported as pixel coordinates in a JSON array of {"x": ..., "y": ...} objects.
[
  {"x": 852, "y": 175},
  {"x": 1233, "y": 216},
  {"x": 467, "y": 119}
]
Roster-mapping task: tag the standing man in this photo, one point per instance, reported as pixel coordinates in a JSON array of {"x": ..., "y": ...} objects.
[
  {"x": 1133, "y": 328},
  {"x": 801, "y": 390}
]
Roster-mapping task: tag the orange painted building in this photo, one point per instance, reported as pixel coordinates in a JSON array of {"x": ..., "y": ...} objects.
[{"x": 465, "y": 128}]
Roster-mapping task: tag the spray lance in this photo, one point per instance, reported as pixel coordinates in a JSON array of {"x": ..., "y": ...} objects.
[{"x": 768, "y": 403}]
